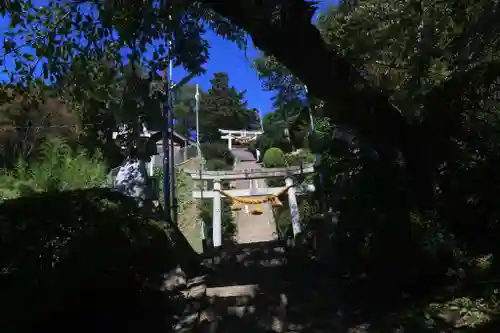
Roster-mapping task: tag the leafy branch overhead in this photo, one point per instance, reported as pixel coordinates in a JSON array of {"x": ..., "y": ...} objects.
[
  {"x": 63, "y": 31},
  {"x": 418, "y": 71}
]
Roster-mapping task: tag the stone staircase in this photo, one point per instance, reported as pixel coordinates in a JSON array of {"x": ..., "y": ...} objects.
[{"x": 243, "y": 290}]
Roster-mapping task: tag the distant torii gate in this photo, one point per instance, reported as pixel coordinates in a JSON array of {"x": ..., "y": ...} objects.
[
  {"x": 229, "y": 135},
  {"x": 216, "y": 193}
]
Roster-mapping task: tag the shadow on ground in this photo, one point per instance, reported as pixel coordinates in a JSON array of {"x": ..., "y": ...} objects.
[
  {"x": 88, "y": 261},
  {"x": 245, "y": 288},
  {"x": 261, "y": 288}
]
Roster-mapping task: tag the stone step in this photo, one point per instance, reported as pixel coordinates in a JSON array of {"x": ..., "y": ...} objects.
[
  {"x": 261, "y": 301},
  {"x": 240, "y": 309},
  {"x": 249, "y": 290},
  {"x": 192, "y": 300},
  {"x": 247, "y": 258}
]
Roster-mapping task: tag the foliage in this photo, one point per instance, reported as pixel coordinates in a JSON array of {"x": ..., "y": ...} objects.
[
  {"x": 218, "y": 157},
  {"x": 300, "y": 157},
  {"x": 59, "y": 168},
  {"x": 408, "y": 95},
  {"x": 415, "y": 56},
  {"x": 227, "y": 220},
  {"x": 217, "y": 151},
  {"x": 93, "y": 31},
  {"x": 290, "y": 92},
  {"x": 408, "y": 114},
  {"x": 283, "y": 128},
  {"x": 283, "y": 218},
  {"x": 187, "y": 208},
  {"x": 94, "y": 56},
  {"x": 85, "y": 259},
  {"x": 217, "y": 165},
  {"x": 184, "y": 110},
  {"x": 286, "y": 128},
  {"x": 274, "y": 158},
  {"x": 282, "y": 214},
  {"x": 183, "y": 187},
  {"x": 223, "y": 107},
  {"x": 274, "y": 133},
  {"x": 28, "y": 117}
]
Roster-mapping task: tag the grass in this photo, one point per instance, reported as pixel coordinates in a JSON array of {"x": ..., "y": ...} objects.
[
  {"x": 188, "y": 210},
  {"x": 58, "y": 167},
  {"x": 189, "y": 220},
  {"x": 190, "y": 226}
]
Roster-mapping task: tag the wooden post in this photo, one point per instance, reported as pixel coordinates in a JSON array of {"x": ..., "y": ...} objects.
[
  {"x": 294, "y": 209},
  {"x": 216, "y": 214}
]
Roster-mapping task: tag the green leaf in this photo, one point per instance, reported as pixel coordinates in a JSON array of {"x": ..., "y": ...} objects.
[{"x": 28, "y": 56}]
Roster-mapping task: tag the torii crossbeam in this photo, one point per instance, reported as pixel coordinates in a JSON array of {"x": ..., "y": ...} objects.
[{"x": 229, "y": 135}]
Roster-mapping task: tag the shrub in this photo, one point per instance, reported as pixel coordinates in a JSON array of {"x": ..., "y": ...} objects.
[
  {"x": 183, "y": 186},
  {"x": 218, "y": 157},
  {"x": 274, "y": 158},
  {"x": 85, "y": 259},
  {"x": 217, "y": 151},
  {"x": 302, "y": 156},
  {"x": 188, "y": 224},
  {"x": 217, "y": 165},
  {"x": 58, "y": 168},
  {"x": 252, "y": 148},
  {"x": 227, "y": 220}
]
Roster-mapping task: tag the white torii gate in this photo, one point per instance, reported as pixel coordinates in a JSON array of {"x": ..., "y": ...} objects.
[
  {"x": 218, "y": 176},
  {"x": 229, "y": 135}
]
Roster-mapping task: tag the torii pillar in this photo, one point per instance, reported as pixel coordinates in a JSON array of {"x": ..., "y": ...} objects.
[
  {"x": 217, "y": 215},
  {"x": 229, "y": 138},
  {"x": 230, "y": 141}
]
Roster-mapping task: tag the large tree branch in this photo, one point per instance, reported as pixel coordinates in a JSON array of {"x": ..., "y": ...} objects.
[{"x": 283, "y": 28}]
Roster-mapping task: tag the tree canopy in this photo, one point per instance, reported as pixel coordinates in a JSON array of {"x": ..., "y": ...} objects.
[
  {"x": 223, "y": 107},
  {"x": 404, "y": 95}
]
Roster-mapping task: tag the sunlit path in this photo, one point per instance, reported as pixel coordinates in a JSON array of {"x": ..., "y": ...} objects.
[{"x": 253, "y": 228}]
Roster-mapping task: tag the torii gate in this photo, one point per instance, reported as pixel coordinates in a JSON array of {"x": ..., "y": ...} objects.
[
  {"x": 229, "y": 135},
  {"x": 216, "y": 193}
]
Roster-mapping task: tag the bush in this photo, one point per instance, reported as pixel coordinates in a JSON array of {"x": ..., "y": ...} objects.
[
  {"x": 227, "y": 220},
  {"x": 274, "y": 158},
  {"x": 217, "y": 151},
  {"x": 83, "y": 259},
  {"x": 58, "y": 168},
  {"x": 188, "y": 224},
  {"x": 217, "y": 165},
  {"x": 183, "y": 186},
  {"x": 218, "y": 157},
  {"x": 252, "y": 148},
  {"x": 300, "y": 157}
]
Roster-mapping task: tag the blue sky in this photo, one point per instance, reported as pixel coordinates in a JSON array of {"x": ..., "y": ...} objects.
[{"x": 225, "y": 56}]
